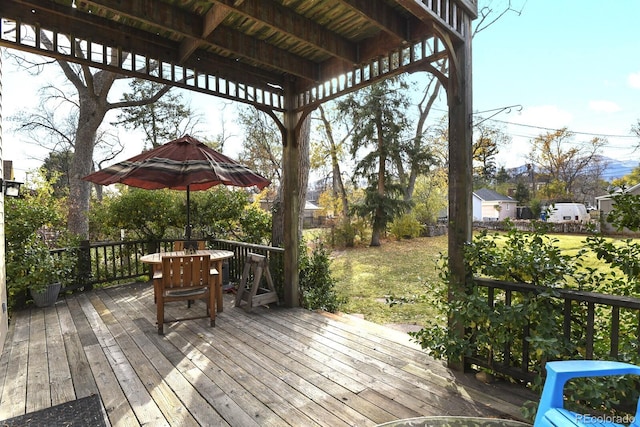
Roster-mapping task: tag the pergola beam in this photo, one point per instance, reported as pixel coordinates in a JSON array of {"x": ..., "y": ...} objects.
[{"x": 225, "y": 41}]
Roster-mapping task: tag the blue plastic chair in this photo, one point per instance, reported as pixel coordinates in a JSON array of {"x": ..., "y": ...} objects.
[{"x": 551, "y": 411}]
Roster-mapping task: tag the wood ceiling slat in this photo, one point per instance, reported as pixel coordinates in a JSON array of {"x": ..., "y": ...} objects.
[
  {"x": 252, "y": 49},
  {"x": 298, "y": 29},
  {"x": 249, "y": 45},
  {"x": 385, "y": 17},
  {"x": 222, "y": 40}
]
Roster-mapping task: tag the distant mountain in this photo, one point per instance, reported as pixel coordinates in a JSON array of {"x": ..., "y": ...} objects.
[
  {"x": 615, "y": 168},
  {"x": 618, "y": 168}
]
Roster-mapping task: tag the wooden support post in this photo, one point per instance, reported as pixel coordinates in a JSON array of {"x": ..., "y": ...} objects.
[
  {"x": 460, "y": 179},
  {"x": 291, "y": 190}
]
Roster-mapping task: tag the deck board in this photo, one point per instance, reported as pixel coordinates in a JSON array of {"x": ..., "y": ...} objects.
[
  {"x": 38, "y": 373},
  {"x": 61, "y": 387},
  {"x": 270, "y": 367}
]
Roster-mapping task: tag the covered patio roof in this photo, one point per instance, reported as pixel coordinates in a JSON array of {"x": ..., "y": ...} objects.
[{"x": 281, "y": 56}]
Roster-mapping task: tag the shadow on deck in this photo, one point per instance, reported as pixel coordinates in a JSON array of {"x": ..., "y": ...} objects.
[{"x": 271, "y": 367}]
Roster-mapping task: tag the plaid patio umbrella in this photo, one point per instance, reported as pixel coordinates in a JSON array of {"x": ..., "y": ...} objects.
[{"x": 182, "y": 164}]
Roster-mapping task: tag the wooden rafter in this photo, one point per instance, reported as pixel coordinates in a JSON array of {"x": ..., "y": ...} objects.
[
  {"x": 297, "y": 29},
  {"x": 198, "y": 51}
]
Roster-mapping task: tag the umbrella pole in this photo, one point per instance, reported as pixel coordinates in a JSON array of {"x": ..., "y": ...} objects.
[{"x": 188, "y": 228}]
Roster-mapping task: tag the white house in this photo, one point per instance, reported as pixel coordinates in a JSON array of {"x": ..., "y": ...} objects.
[
  {"x": 489, "y": 205},
  {"x": 605, "y": 205}
]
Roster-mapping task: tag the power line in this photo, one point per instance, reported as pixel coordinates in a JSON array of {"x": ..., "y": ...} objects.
[{"x": 574, "y": 132}]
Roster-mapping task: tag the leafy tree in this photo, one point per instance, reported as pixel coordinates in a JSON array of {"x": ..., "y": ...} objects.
[
  {"x": 430, "y": 196},
  {"x": 225, "y": 213},
  {"x": 488, "y": 141},
  {"x": 215, "y": 213},
  {"x": 628, "y": 180},
  {"x": 502, "y": 176},
  {"x": 56, "y": 169},
  {"x": 556, "y": 190},
  {"x": 147, "y": 214},
  {"x": 377, "y": 143},
  {"x": 89, "y": 106},
  {"x": 164, "y": 120},
  {"x": 256, "y": 225},
  {"x": 522, "y": 194},
  {"x": 565, "y": 162},
  {"x": 219, "y": 212}
]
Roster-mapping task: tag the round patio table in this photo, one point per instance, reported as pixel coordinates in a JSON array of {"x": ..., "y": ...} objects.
[{"x": 453, "y": 421}]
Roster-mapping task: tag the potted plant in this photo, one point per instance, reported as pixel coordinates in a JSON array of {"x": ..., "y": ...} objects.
[
  {"x": 46, "y": 273},
  {"x": 40, "y": 272},
  {"x": 30, "y": 267}
]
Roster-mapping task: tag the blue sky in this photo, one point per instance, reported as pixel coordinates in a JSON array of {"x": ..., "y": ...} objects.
[{"x": 573, "y": 63}]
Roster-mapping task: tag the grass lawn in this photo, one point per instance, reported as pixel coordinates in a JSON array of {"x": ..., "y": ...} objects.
[{"x": 407, "y": 268}]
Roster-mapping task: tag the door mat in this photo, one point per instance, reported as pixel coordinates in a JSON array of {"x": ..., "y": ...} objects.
[{"x": 84, "y": 412}]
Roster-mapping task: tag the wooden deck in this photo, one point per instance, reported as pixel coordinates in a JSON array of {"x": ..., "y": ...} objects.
[{"x": 271, "y": 367}]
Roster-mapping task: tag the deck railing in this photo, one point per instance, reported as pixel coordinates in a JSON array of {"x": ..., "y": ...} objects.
[
  {"x": 103, "y": 263},
  {"x": 590, "y": 325},
  {"x": 593, "y": 326}
]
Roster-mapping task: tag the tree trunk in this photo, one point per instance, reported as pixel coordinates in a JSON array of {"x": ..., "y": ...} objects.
[
  {"x": 89, "y": 120},
  {"x": 378, "y": 221},
  {"x": 277, "y": 218},
  {"x": 305, "y": 164},
  {"x": 424, "y": 108},
  {"x": 277, "y": 231},
  {"x": 338, "y": 185}
]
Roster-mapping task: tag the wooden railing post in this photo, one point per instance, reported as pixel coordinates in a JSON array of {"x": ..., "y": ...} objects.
[{"x": 84, "y": 265}]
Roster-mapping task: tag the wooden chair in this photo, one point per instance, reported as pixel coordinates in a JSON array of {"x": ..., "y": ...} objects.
[
  {"x": 551, "y": 410},
  {"x": 185, "y": 278},
  {"x": 179, "y": 245}
]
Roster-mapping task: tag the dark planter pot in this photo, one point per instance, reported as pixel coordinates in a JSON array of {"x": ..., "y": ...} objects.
[{"x": 48, "y": 297}]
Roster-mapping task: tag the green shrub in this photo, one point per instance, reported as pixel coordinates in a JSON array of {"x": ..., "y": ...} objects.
[
  {"x": 317, "y": 286},
  {"x": 475, "y": 322},
  {"x": 347, "y": 232},
  {"x": 405, "y": 226},
  {"x": 255, "y": 224},
  {"x": 217, "y": 213},
  {"x": 147, "y": 214}
]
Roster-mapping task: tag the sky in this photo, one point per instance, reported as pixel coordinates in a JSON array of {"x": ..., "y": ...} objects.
[
  {"x": 568, "y": 63},
  {"x": 561, "y": 63}
]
